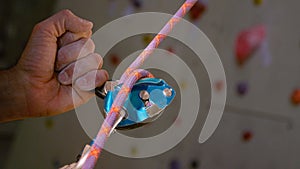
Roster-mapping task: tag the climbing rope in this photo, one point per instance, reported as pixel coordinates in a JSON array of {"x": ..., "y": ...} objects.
[{"x": 128, "y": 79}]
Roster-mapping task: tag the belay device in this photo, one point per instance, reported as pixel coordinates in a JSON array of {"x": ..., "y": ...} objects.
[{"x": 144, "y": 104}]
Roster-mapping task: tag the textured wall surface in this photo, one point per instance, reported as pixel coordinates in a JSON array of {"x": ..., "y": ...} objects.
[{"x": 258, "y": 130}]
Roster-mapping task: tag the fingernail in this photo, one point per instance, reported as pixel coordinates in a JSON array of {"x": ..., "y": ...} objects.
[
  {"x": 106, "y": 75},
  {"x": 83, "y": 84},
  {"x": 63, "y": 77}
]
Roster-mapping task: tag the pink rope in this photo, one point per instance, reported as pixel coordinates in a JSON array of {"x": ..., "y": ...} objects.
[
  {"x": 128, "y": 79},
  {"x": 159, "y": 38}
]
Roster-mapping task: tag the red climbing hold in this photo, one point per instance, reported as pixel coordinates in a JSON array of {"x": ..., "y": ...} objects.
[
  {"x": 197, "y": 11},
  {"x": 114, "y": 60},
  {"x": 295, "y": 98},
  {"x": 248, "y": 41},
  {"x": 247, "y": 136}
]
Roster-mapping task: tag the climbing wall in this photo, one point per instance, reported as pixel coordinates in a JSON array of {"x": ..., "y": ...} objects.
[{"x": 258, "y": 43}]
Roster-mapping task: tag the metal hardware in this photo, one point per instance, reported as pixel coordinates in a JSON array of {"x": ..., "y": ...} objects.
[{"x": 146, "y": 102}]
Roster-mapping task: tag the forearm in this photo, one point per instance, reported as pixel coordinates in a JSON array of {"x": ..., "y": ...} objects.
[{"x": 12, "y": 96}]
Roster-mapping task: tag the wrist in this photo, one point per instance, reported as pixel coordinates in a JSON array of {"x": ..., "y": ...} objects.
[{"x": 12, "y": 95}]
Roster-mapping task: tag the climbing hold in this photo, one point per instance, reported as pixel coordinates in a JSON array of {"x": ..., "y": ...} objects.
[
  {"x": 133, "y": 151},
  {"x": 114, "y": 60},
  {"x": 147, "y": 39},
  {"x": 137, "y": 3},
  {"x": 295, "y": 98},
  {"x": 129, "y": 10},
  {"x": 175, "y": 164},
  {"x": 194, "y": 164},
  {"x": 197, "y": 10},
  {"x": 248, "y": 41},
  {"x": 183, "y": 85},
  {"x": 49, "y": 123},
  {"x": 257, "y": 2},
  {"x": 247, "y": 136},
  {"x": 242, "y": 88},
  {"x": 219, "y": 85}
]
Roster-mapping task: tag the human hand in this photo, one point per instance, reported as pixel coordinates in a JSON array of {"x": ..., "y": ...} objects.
[{"x": 44, "y": 78}]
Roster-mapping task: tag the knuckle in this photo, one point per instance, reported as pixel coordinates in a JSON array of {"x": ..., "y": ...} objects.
[
  {"x": 61, "y": 55},
  {"x": 38, "y": 26},
  {"x": 68, "y": 36},
  {"x": 82, "y": 41},
  {"x": 98, "y": 58},
  {"x": 89, "y": 33},
  {"x": 92, "y": 43},
  {"x": 89, "y": 43},
  {"x": 66, "y": 39},
  {"x": 66, "y": 13},
  {"x": 70, "y": 72}
]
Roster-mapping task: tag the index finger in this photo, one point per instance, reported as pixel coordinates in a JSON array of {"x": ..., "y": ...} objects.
[
  {"x": 70, "y": 37},
  {"x": 62, "y": 22}
]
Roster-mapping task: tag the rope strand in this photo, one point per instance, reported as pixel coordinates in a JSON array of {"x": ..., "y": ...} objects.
[{"x": 128, "y": 79}]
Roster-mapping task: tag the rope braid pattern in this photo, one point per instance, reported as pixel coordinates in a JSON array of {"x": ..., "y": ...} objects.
[{"x": 128, "y": 79}]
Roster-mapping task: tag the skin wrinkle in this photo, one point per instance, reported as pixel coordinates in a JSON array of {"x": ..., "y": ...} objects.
[
  {"x": 11, "y": 80},
  {"x": 31, "y": 95},
  {"x": 24, "y": 79},
  {"x": 35, "y": 89},
  {"x": 81, "y": 99},
  {"x": 91, "y": 62},
  {"x": 87, "y": 81},
  {"x": 35, "y": 64},
  {"x": 69, "y": 37},
  {"x": 89, "y": 77},
  {"x": 54, "y": 97},
  {"x": 58, "y": 87},
  {"x": 82, "y": 48}
]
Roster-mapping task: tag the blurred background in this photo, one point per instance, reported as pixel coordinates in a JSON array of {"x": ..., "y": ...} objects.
[{"x": 261, "y": 123}]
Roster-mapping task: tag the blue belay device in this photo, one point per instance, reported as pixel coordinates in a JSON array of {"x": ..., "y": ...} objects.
[{"x": 145, "y": 103}]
